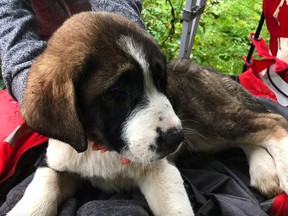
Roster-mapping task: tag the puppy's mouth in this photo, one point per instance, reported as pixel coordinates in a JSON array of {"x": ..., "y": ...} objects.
[
  {"x": 99, "y": 147},
  {"x": 147, "y": 158},
  {"x": 165, "y": 145},
  {"x": 169, "y": 152},
  {"x": 169, "y": 142}
]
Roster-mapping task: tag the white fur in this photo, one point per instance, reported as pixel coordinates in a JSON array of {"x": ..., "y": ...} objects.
[
  {"x": 43, "y": 195},
  {"x": 139, "y": 132},
  {"x": 262, "y": 169},
  {"x": 164, "y": 191},
  {"x": 278, "y": 149},
  {"x": 160, "y": 182}
]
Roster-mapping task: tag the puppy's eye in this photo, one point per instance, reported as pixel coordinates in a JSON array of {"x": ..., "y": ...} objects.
[
  {"x": 115, "y": 95},
  {"x": 121, "y": 94}
]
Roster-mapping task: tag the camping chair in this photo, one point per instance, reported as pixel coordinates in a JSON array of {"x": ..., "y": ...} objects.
[
  {"x": 17, "y": 142},
  {"x": 191, "y": 17}
]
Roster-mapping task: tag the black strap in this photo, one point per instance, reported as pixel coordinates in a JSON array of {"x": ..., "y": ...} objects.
[{"x": 256, "y": 37}]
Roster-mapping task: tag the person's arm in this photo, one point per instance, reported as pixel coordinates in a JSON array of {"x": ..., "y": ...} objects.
[
  {"x": 128, "y": 8},
  {"x": 19, "y": 44}
]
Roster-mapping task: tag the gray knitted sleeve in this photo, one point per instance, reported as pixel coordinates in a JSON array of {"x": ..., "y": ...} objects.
[
  {"x": 128, "y": 8},
  {"x": 20, "y": 43}
]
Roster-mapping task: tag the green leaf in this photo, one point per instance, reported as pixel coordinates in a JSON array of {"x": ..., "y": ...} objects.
[{"x": 223, "y": 33}]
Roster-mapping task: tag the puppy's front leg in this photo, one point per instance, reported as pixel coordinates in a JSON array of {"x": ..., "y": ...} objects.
[
  {"x": 164, "y": 190},
  {"x": 271, "y": 133},
  {"x": 278, "y": 148},
  {"x": 44, "y": 194},
  {"x": 262, "y": 169}
]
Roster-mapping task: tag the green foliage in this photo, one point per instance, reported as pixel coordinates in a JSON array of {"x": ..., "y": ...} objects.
[
  {"x": 222, "y": 37},
  {"x": 163, "y": 21}
]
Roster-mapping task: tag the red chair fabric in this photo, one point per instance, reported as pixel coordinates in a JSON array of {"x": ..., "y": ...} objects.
[{"x": 15, "y": 136}]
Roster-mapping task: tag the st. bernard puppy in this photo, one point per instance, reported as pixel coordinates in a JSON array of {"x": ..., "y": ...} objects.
[{"x": 103, "y": 80}]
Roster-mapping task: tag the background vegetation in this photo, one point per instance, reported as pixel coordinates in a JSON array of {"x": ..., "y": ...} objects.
[
  {"x": 223, "y": 34},
  {"x": 222, "y": 37}
]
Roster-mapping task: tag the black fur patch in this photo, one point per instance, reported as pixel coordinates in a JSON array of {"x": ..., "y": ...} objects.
[{"x": 104, "y": 115}]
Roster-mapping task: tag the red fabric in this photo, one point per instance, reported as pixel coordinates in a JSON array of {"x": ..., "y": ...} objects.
[
  {"x": 280, "y": 206},
  {"x": 276, "y": 26},
  {"x": 15, "y": 136},
  {"x": 267, "y": 59},
  {"x": 250, "y": 79},
  {"x": 9, "y": 116},
  {"x": 255, "y": 86}
]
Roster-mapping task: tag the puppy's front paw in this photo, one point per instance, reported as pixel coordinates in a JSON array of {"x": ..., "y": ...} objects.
[
  {"x": 184, "y": 211},
  {"x": 263, "y": 171},
  {"x": 264, "y": 178},
  {"x": 164, "y": 190},
  {"x": 25, "y": 209},
  {"x": 42, "y": 195},
  {"x": 278, "y": 149}
]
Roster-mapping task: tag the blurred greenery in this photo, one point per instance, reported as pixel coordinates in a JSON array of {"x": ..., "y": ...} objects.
[
  {"x": 222, "y": 37},
  {"x": 163, "y": 21}
]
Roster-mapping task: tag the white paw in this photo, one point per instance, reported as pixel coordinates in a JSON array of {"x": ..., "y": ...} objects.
[
  {"x": 264, "y": 176},
  {"x": 23, "y": 211},
  {"x": 263, "y": 171},
  {"x": 164, "y": 190},
  {"x": 278, "y": 150},
  {"x": 41, "y": 196},
  {"x": 184, "y": 211},
  {"x": 26, "y": 208}
]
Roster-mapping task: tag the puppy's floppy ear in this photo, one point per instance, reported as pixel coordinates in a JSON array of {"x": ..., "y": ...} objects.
[{"x": 50, "y": 105}]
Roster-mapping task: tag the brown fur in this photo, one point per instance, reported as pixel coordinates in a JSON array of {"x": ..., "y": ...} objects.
[
  {"x": 216, "y": 111},
  {"x": 82, "y": 57}
]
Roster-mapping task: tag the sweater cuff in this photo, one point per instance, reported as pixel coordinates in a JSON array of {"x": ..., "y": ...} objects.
[{"x": 18, "y": 86}]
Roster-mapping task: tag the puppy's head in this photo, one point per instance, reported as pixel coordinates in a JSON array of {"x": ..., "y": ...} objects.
[{"x": 102, "y": 78}]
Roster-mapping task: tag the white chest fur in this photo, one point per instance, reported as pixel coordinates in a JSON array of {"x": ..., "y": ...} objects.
[
  {"x": 160, "y": 181},
  {"x": 62, "y": 157}
]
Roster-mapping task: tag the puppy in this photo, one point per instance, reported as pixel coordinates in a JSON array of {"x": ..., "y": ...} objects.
[
  {"x": 102, "y": 79},
  {"x": 217, "y": 113}
]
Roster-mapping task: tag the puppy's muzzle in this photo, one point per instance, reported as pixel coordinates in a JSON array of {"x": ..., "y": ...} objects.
[{"x": 169, "y": 141}]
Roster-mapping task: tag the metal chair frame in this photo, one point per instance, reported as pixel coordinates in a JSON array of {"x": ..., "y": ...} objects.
[{"x": 191, "y": 17}]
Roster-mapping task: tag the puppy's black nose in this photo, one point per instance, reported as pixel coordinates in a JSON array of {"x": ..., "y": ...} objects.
[
  {"x": 168, "y": 141},
  {"x": 173, "y": 137}
]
